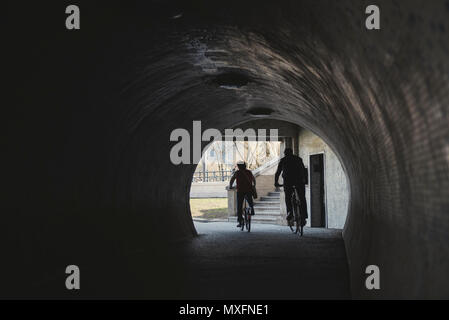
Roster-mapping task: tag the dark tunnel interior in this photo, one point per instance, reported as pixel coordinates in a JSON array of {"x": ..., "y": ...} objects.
[{"x": 87, "y": 171}]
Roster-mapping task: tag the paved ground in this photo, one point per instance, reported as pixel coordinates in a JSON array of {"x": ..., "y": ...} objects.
[
  {"x": 270, "y": 262},
  {"x": 223, "y": 262}
]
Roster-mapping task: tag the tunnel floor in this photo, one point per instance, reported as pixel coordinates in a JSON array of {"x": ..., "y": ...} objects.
[
  {"x": 269, "y": 263},
  {"x": 222, "y": 262}
]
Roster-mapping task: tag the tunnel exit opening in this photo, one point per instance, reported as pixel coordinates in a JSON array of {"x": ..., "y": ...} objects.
[
  {"x": 210, "y": 196},
  {"x": 327, "y": 189}
]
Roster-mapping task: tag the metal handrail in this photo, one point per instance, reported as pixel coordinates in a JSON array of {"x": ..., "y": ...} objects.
[{"x": 212, "y": 176}]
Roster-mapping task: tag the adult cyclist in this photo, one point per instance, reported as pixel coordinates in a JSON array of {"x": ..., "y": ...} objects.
[
  {"x": 245, "y": 183},
  {"x": 294, "y": 175}
]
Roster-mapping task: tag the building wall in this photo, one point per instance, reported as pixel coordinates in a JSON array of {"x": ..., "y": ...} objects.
[
  {"x": 264, "y": 184},
  {"x": 336, "y": 188}
]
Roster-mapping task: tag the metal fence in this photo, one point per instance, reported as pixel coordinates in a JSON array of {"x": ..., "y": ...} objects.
[{"x": 212, "y": 176}]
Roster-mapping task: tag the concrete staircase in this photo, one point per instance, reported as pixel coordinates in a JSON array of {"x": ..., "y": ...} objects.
[{"x": 267, "y": 209}]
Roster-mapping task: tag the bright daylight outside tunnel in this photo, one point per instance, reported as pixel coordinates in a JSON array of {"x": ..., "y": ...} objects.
[{"x": 112, "y": 111}]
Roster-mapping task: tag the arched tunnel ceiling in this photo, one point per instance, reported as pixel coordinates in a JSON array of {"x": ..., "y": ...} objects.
[{"x": 378, "y": 98}]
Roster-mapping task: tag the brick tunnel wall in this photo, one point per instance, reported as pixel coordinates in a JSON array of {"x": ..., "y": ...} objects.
[{"x": 87, "y": 147}]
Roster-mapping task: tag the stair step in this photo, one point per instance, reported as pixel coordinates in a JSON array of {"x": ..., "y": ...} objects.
[
  {"x": 266, "y": 219},
  {"x": 271, "y": 211},
  {"x": 267, "y": 209},
  {"x": 264, "y": 203},
  {"x": 276, "y": 208},
  {"x": 263, "y": 209},
  {"x": 267, "y": 213},
  {"x": 269, "y": 198}
]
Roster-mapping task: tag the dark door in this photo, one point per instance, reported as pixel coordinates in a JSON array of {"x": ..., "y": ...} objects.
[{"x": 318, "y": 218}]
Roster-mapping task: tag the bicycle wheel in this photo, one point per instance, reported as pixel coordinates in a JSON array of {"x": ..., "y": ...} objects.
[
  {"x": 297, "y": 217},
  {"x": 298, "y": 224},
  {"x": 248, "y": 220},
  {"x": 242, "y": 222},
  {"x": 291, "y": 222},
  {"x": 297, "y": 211}
]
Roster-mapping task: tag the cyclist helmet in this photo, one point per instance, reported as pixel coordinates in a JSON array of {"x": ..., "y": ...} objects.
[{"x": 241, "y": 164}]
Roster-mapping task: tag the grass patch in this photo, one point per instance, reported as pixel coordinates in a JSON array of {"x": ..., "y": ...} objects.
[{"x": 209, "y": 208}]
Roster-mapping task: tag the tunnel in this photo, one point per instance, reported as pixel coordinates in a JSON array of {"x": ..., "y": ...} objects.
[{"x": 86, "y": 155}]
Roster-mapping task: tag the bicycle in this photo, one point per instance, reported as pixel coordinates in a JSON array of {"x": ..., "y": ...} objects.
[
  {"x": 296, "y": 213},
  {"x": 246, "y": 215}
]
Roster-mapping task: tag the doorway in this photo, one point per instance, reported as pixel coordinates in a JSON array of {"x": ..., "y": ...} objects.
[{"x": 317, "y": 205}]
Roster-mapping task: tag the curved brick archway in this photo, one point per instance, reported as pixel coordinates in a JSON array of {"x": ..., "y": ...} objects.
[{"x": 94, "y": 155}]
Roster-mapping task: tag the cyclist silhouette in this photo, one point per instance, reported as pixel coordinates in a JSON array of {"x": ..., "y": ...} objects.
[
  {"x": 245, "y": 183},
  {"x": 294, "y": 175}
]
